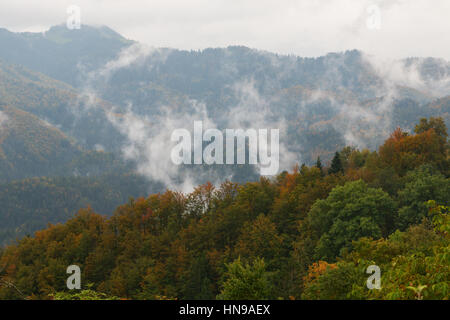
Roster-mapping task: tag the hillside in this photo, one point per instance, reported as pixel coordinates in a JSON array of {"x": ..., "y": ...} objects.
[
  {"x": 59, "y": 104},
  {"x": 31, "y": 204},
  {"x": 60, "y": 53},
  {"x": 306, "y": 234},
  {"x": 310, "y": 98},
  {"x": 29, "y": 146}
]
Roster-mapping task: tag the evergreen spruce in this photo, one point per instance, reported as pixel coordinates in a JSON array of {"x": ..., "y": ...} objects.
[
  {"x": 336, "y": 165},
  {"x": 319, "y": 164}
]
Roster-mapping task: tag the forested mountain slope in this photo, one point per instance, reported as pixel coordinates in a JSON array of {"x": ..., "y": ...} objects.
[
  {"x": 59, "y": 104},
  {"x": 88, "y": 102},
  {"x": 31, "y": 204},
  {"x": 59, "y": 52},
  {"x": 44, "y": 135},
  {"x": 29, "y": 146},
  {"x": 321, "y": 103},
  {"x": 309, "y": 234}
]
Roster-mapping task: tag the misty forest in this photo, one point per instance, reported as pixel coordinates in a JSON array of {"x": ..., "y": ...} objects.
[{"x": 86, "y": 178}]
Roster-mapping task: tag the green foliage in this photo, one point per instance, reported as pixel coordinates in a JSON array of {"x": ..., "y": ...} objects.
[
  {"x": 246, "y": 282},
  {"x": 335, "y": 283},
  {"x": 414, "y": 264},
  {"x": 422, "y": 185},
  {"x": 437, "y": 124},
  {"x": 336, "y": 165},
  {"x": 84, "y": 294},
  {"x": 350, "y": 212}
]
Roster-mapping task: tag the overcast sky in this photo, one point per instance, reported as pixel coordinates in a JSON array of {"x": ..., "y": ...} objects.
[{"x": 394, "y": 28}]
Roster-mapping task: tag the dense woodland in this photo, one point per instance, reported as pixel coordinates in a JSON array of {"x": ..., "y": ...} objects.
[
  {"x": 30, "y": 204},
  {"x": 306, "y": 234}
]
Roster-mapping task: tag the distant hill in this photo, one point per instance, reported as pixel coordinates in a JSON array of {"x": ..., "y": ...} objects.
[
  {"x": 30, "y": 204},
  {"x": 326, "y": 102},
  {"x": 29, "y": 146},
  {"x": 59, "y": 104},
  {"x": 62, "y": 53}
]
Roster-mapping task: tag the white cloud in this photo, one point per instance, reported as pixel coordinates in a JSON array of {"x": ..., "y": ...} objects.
[
  {"x": 302, "y": 27},
  {"x": 254, "y": 111}
]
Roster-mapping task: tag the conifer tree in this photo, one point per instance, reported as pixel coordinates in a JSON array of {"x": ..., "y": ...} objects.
[
  {"x": 319, "y": 164},
  {"x": 336, "y": 164}
]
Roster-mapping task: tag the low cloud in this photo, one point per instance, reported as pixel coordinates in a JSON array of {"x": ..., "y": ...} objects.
[
  {"x": 148, "y": 142},
  {"x": 412, "y": 73},
  {"x": 256, "y": 111},
  {"x": 360, "y": 123}
]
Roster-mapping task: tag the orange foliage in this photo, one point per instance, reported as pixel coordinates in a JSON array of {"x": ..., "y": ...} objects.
[{"x": 317, "y": 269}]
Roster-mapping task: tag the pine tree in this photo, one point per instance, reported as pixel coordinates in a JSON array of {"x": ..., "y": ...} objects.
[
  {"x": 336, "y": 165},
  {"x": 319, "y": 164}
]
